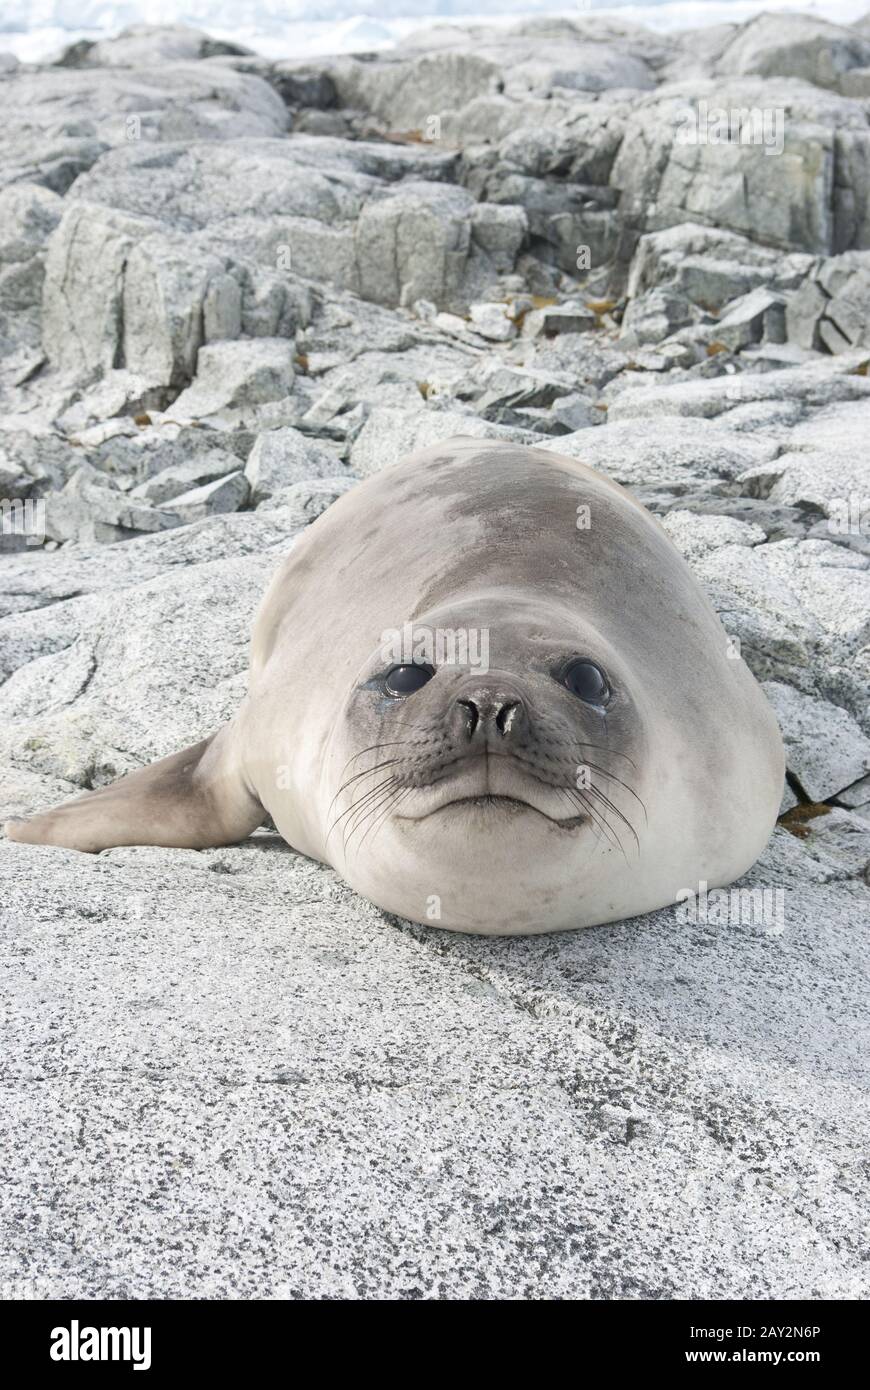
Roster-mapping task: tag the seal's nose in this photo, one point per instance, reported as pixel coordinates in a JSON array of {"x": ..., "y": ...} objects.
[{"x": 491, "y": 715}]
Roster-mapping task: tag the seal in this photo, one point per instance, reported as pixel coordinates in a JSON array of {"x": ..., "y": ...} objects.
[{"x": 487, "y": 689}]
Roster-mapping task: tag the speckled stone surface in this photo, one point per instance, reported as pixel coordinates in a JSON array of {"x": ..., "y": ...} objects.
[{"x": 224, "y": 1075}]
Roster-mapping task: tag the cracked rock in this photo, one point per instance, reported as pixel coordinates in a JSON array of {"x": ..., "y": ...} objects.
[
  {"x": 825, "y": 748},
  {"x": 283, "y": 457},
  {"x": 224, "y": 494},
  {"x": 235, "y": 375},
  {"x": 302, "y": 502}
]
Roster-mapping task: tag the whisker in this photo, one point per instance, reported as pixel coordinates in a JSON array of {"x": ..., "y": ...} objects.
[
  {"x": 596, "y": 791},
  {"x": 575, "y": 804},
  {"x": 380, "y": 818},
  {"x": 370, "y": 791},
  {"x": 601, "y": 818},
  {"x": 575, "y": 799},
  {"x": 594, "y": 767},
  {"x": 604, "y": 773},
  {"x": 603, "y": 748},
  {"x": 364, "y": 803},
  {"x": 369, "y": 772},
  {"x": 388, "y": 743},
  {"x": 369, "y": 812}
]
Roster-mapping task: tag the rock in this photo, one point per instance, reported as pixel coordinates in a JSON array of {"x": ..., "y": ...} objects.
[
  {"x": 455, "y": 326},
  {"x": 825, "y": 749},
  {"x": 235, "y": 375},
  {"x": 833, "y": 425},
  {"x": 708, "y": 265},
  {"x": 842, "y": 837},
  {"x": 492, "y": 321},
  {"x": 138, "y": 630},
  {"x": 683, "y": 172},
  {"x": 173, "y": 302},
  {"x": 695, "y": 535},
  {"x": 377, "y": 220},
  {"x": 654, "y": 316},
  {"x": 117, "y": 393},
  {"x": 803, "y": 311},
  {"x": 87, "y": 510},
  {"x": 820, "y": 383},
  {"x": 406, "y": 95},
  {"x": 82, "y": 320},
  {"x": 57, "y": 122},
  {"x": 845, "y": 319},
  {"x": 325, "y": 408},
  {"x": 28, "y": 216},
  {"x": 592, "y": 362},
  {"x": 426, "y": 241},
  {"x": 173, "y": 482},
  {"x": 304, "y": 84},
  {"x": 303, "y": 502},
  {"x": 143, "y": 44},
  {"x": 749, "y": 318},
  {"x": 165, "y": 925},
  {"x": 283, "y": 457},
  {"x": 136, "y": 456},
  {"x": 812, "y": 49},
  {"x": 225, "y": 494},
  {"x": 47, "y": 591},
  {"x": 575, "y": 412},
  {"x": 510, "y": 386},
  {"x": 678, "y": 456},
  {"x": 563, "y": 220},
  {"x": 164, "y": 297},
  {"x": 389, "y": 434},
  {"x": 33, "y": 464},
  {"x": 823, "y": 481},
  {"x": 593, "y": 67},
  {"x": 833, "y": 584},
  {"x": 858, "y": 795},
  {"x": 777, "y": 523},
  {"x": 558, "y": 318},
  {"x": 831, "y": 310},
  {"x": 14, "y": 482},
  {"x": 799, "y": 609}
]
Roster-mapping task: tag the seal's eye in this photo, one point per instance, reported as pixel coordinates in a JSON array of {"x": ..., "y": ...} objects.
[
  {"x": 587, "y": 681},
  {"x": 404, "y": 680}
]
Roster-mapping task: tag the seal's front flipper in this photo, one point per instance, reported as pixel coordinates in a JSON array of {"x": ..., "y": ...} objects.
[{"x": 195, "y": 799}]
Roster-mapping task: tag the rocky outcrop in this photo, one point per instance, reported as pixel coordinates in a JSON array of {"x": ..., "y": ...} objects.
[
  {"x": 825, "y": 54},
  {"x": 143, "y": 45}
]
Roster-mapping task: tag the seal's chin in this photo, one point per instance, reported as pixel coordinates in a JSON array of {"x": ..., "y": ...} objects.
[{"x": 491, "y": 791}]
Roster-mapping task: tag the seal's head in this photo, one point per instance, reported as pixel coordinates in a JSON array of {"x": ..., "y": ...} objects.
[{"x": 487, "y": 765}]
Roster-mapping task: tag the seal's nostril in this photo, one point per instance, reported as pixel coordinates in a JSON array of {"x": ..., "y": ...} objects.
[
  {"x": 472, "y": 716},
  {"x": 490, "y": 716},
  {"x": 506, "y": 715}
]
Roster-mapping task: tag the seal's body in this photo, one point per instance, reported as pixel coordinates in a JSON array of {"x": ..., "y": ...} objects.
[{"x": 487, "y": 689}]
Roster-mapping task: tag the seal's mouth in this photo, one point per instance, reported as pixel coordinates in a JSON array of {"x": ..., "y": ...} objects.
[
  {"x": 506, "y": 805},
  {"x": 493, "y": 789}
]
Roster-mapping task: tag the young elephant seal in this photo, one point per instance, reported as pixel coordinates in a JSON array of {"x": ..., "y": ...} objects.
[{"x": 487, "y": 689}]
